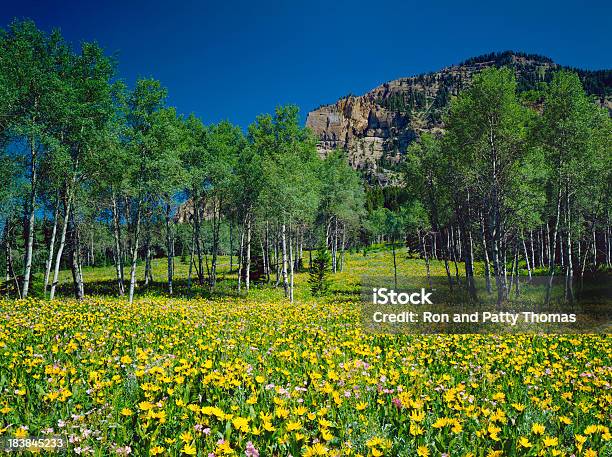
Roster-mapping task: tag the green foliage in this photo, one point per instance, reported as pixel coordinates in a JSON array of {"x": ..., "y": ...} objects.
[
  {"x": 395, "y": 196},
  {"x": 318, "y": 276},
  {"x": 342, "y": 194},
  {"x": 374, "y": 198},
  {"x": 289, "y": 165},
  {"x": 485, "y": 142},
  {"x": 425, "y": 171}
]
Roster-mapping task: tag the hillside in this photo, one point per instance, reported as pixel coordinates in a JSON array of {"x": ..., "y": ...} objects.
[{"x": 375, "y": 128}]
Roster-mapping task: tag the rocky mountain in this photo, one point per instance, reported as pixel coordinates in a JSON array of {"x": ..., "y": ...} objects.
[{"x": 375, "y": 128}]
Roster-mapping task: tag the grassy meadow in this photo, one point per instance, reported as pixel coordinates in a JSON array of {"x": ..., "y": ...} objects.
[{"x": 226, "y": 375}]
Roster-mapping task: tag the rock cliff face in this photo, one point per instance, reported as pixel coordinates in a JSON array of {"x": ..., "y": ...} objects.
[
  {"x": 375, "y": 128},
  {"x": 368, "y": 131}
]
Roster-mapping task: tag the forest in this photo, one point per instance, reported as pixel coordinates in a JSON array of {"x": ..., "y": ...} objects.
[{"x": 95, "y": 173}]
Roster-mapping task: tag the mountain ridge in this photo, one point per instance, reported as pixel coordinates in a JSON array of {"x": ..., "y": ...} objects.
[{"x": 375, "y": 128}]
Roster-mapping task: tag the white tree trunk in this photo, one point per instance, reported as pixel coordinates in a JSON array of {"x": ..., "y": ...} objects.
[
  {"x": 526, "y": 258},
  {"x": 191, "y": 259},
  {"x": 51, "y": 248},
  {"x": 247, "y": 276},
  {"x": 118, "y": 249},
  {"x": 134, "y": 255},
  {"x": 30, "y": 240},
  {"x": 241, "y": 259},
  {"x": 290, "y": 267},
  {"x": 342, "y": 247},
  {"x": 284, "y": 267},
  {"x": 77, "y": 273},
  {"x": 169, "y": 248},
  {"x": 60, "y": 249}
]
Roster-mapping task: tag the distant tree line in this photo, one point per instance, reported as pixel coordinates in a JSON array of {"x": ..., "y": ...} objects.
[{"x": 512, "y": 182}]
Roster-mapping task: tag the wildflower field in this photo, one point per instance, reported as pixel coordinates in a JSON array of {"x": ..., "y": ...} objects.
[{"x": 226, "y": 375}]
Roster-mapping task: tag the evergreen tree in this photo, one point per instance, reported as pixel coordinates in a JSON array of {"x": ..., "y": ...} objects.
[{"x": 319, "y": 272}]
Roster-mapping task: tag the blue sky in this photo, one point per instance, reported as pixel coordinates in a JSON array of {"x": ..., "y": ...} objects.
[{"x": 236, "y": 59}]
